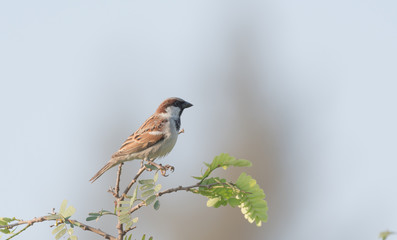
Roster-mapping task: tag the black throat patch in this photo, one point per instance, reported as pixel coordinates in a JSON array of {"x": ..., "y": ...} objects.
[{"x": 178, "y": 124}]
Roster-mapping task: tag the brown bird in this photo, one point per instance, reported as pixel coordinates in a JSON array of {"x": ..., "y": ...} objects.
[{"x": 155, "y": 138}]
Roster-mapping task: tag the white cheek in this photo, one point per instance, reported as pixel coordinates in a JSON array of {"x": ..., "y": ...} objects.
[
  {"x": 174, "y": 111},
  {"x": 171, "y": 111}
]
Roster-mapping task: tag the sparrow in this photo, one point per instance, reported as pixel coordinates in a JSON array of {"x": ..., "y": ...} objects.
[{"x": 155, "y": 137}]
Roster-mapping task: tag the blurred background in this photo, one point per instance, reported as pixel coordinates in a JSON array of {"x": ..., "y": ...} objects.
[{"x": 306, "y": 90}]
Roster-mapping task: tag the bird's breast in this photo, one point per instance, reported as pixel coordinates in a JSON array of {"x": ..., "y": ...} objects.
[{"x": 169, "y": 141}]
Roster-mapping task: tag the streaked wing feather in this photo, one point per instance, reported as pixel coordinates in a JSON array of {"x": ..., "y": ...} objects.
[{"x": 142, "y": 139}]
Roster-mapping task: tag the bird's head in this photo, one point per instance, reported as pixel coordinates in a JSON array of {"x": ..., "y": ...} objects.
[{"x": 173, "y": 106}]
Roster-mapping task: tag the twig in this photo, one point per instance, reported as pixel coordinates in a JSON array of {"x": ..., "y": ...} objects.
[
  {"x": 140, "y": 171},
  {"x": 92, "y": 229},
  {"x": 187, "y": 188},
  {"x": 16, "y": 234},
  {"x": 119, "y": 226},
  {"x": 50, "y": 218},
  {"x": 171, "y": 190},
  {"x": 129, "y": 229},
  {"x": 120, "y": 230},
  {"x": 138, "y": 206},
  {"x": 180, "y": 188},
  {"x": 117, "y": 187}
]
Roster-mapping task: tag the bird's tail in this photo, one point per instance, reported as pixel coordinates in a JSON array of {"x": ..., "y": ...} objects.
[{"x": 108, "y": 166}]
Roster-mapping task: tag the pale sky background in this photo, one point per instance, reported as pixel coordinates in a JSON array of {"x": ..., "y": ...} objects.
[{"x": 306, "y": 90}]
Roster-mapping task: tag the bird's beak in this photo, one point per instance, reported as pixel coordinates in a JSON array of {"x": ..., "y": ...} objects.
[{"x": 187, "y": 105}]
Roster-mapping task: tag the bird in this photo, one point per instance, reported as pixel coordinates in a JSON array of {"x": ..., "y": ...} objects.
[{"x": 155, "y": 138}]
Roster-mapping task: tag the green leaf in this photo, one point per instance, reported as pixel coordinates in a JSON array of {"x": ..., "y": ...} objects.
[
  {"x": 151, "y": 238},
  {"x": 147, "y": 186},
  {"x": 53, "y": 217},
  {"x": 157, "y": 188},
  {"x": 146, "y": 181},
  {"x": 63, "y": 207},
  {"x": 233, "y": 202},
  {"x": 156, "y": 205},
  {"x": 212, "y": 202},
  {"x": 58, "y": 228},
  {"x": 94, "y": 214},
  {"x": 90, "y": 218},
  {"x": 4, "y": 230},
  {"x": 122, "y": 209},
  {"x": 70, "y": 231},
  {"x": 7, "y": 220},
  {"x": 150, "y": 200},
  {"x": 224, "y": 160},
  {"x": 143, "y": 237},
  {"x": 134, "y": 196},
  {"x": 69, "y": 211},
  {"x": 147, "y": 193},
  {"x": 105, "y": 212},
  {"x": 60, "y": 234},
  {"x": 128, "y": 224},
  {"x": 73, "y": 237},
  {"x": 253, "y": 205},
  {"x": 156, "y": 177},
  {"x": 385, "y": 234},
  {"x": 124, "y": 218},
  {"x": 135, "y": 220}
]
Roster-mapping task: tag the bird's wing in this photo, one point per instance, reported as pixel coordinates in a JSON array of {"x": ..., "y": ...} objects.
[{"x": 149, "y": 134}]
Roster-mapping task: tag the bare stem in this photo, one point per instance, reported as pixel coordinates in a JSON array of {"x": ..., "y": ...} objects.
[
  {"x": 129, "y": 229},
  {"x": 138, "y": 206},
  {"x": 117, "y": 187},
  {"x": 92, "y": 229},
  {"x": 120, "y": 230},
  {"x": 180, "y": 188}
]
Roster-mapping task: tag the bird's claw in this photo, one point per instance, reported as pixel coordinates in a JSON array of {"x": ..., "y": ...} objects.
[
  {"x": 163, "y": 169},
  {"x": 169, "y": 167}
]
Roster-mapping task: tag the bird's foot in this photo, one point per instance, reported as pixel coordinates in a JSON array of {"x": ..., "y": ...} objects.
[
  {"x": 169, "y": 167},
  {"x": 163, "y": 169}
]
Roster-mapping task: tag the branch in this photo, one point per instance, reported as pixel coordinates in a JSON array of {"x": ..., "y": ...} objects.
[
  {"x": 171, "y": 190},
  {"x": 141, "y": 204},
  {"x": 120, "y": 230},
  {"x": 129, "y": 229},
  {"x": 140, "y": 171},
  {"x": 180, "y": 188},
  {"x": 117, "y": 187},
  {"x": 187, "y": 188},
  {"x": 50, "y": 218},
  {"x": 29, "y": 222},
  {"x": 92, "y": 229}
]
